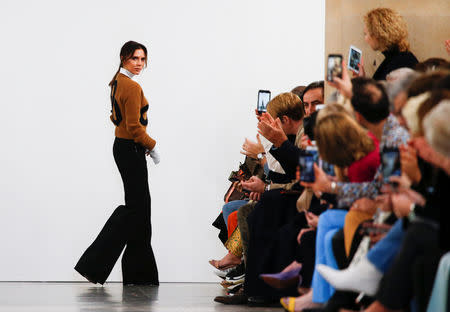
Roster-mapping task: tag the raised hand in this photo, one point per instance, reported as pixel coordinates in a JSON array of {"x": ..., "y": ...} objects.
[
  {"x": 272, "y": 130},
  {"x": 344, "y": 84},
  {"x": 252, "y": 149},
  {"x": 321, "y": 184},
  {"x": 409, "y": 163}
]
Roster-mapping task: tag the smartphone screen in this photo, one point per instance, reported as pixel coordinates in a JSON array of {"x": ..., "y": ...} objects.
[
  {"x": 390, "y": 163},
  {"x": 327, "y": 167},
  {"x": 354, "y": 58},
  {"x": 306, "y": 163},
  {"x": 334, "y": 68},
  {"x": 263, "y": 100}
]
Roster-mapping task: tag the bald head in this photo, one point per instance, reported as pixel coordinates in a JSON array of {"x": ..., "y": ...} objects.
[{"x": 370, "y": 100}]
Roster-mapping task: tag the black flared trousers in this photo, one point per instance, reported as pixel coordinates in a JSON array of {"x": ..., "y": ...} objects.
[{"x": 128, "y": 227}]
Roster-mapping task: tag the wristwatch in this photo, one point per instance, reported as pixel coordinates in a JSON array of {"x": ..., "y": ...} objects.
[
  {"x": 412, "y": 212},
  {"x": 333, "y": 186},
  {"x": 261, "y": 155}
]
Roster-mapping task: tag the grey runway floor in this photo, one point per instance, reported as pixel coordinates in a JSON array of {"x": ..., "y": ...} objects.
[{"x": 85, "y": 297}]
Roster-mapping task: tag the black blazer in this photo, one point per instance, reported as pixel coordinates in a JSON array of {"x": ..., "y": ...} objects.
[
  {"x": 394, "y": 59},
  {"x": 287, "y": 155}
]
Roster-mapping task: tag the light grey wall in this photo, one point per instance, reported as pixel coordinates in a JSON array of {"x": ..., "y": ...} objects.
[{"x": 58, "y": 180}]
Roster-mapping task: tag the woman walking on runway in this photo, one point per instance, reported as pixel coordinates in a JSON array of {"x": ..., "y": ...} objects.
[{"x": 129, "y": 226}]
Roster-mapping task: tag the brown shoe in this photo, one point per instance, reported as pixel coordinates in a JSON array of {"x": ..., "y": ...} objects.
[{"x": 235, "y": 299}]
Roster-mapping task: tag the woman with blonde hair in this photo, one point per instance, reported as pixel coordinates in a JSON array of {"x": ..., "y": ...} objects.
[{"x": 385, "y": 30}]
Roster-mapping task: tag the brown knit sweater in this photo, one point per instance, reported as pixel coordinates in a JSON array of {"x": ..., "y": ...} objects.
[{"x": 129, "y": 111}]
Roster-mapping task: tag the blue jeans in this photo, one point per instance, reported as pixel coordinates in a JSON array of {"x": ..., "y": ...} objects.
[
  {"x": 383, "y": 253},
  {"x": 230, "y": 207},
  {"x": 329, "y": 223}
]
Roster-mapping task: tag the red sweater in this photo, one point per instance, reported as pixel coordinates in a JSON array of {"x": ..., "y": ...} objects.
[{"x": 364, "y": 170}]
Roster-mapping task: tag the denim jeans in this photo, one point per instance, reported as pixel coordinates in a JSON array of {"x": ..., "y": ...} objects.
[{"x": 230, "y": 207}]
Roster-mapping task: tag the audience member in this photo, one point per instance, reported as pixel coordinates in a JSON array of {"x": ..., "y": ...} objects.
[{"x": 364, "y": 230}]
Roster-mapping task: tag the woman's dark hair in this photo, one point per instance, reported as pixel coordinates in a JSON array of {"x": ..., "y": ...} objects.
[{"x": 126, "y": 52}]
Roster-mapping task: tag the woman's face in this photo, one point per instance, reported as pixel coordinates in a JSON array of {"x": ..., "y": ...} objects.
[
  {"x": 136, "y": 62},
  {"x": 371, "y": 41}
]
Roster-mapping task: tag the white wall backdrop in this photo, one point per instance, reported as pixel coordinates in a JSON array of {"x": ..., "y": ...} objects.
[{"x": 208, "y": 58}]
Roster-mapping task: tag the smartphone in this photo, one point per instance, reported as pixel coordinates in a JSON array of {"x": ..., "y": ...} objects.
[
  {"x": 263, "y": 100},
  {"x": 334, "y": 68},
  {"x": 319, "y": 107},
  {"x": 354, "y": 58},
  {"x": 306, "y": 162},
  {"x": 390, "y": 163},
  {"x": 327, "y": 167}
]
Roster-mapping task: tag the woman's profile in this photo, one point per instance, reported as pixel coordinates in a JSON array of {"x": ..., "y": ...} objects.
[
  {"x": 129, "y": 226},
  {"x": 385, "y": 30}
]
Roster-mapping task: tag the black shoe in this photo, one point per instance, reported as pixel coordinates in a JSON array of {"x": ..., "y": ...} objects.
[
  {"x": 235, "y": 299},
  {"x": 237, "y": 274},
  {"x": 260, "y": 301},
  {"x": 233, "y": 290}
]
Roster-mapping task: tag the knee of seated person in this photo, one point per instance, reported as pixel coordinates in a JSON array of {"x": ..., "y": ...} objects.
[
  {"x": 325, "y": 218},
  {"x": 227, "y": 207},
  {"x": 329, "y": 237},
  {"x": 356, "y": 215}
]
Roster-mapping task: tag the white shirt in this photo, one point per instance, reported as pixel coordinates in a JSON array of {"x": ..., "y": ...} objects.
[
  {"x": 126, "y": 73},
  {"x": 273, "y": 164}
]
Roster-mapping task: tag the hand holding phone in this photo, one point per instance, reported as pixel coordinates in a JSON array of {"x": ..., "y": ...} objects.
[
  {"x": 390, "y": 163},
  {"x": 306, "y": 163},
  {"x": 263, "y": 100},
  {"x": 354, "y": 59},
  {"x": 327, "y": 167},
  {"x": 334, "y": 68}
]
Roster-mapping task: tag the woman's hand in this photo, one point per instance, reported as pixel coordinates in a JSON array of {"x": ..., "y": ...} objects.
[
  {"x": 425, "y": 151},
  {"x": 415, "y": 197},
  {"x": 384, "y": 202},
  {"x": 344, "y": 84},
  {"x": 303, "y": 231},
  {"x": 401, "y": 204},
  {"x": 409, "y": 163},
  {"x": 366, "y": 205},
  {"x": 401, "y": 181},
  {"x": 312, "y": 219},
  {"x": 321, "y": 184},
  {"x": 254, "y": 184},
  {"x": 362, "y": 71},
  {"x": 154, "y": 155},
  {"x": 252, "y": 149},
  {"x": 255, "y": 196}
]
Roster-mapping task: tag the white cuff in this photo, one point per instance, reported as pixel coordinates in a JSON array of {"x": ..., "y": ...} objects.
[{"x": 155, "y": 155}]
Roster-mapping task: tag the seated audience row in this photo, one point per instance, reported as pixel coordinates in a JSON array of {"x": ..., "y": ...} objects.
[{"x": 341, "y": 206}]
